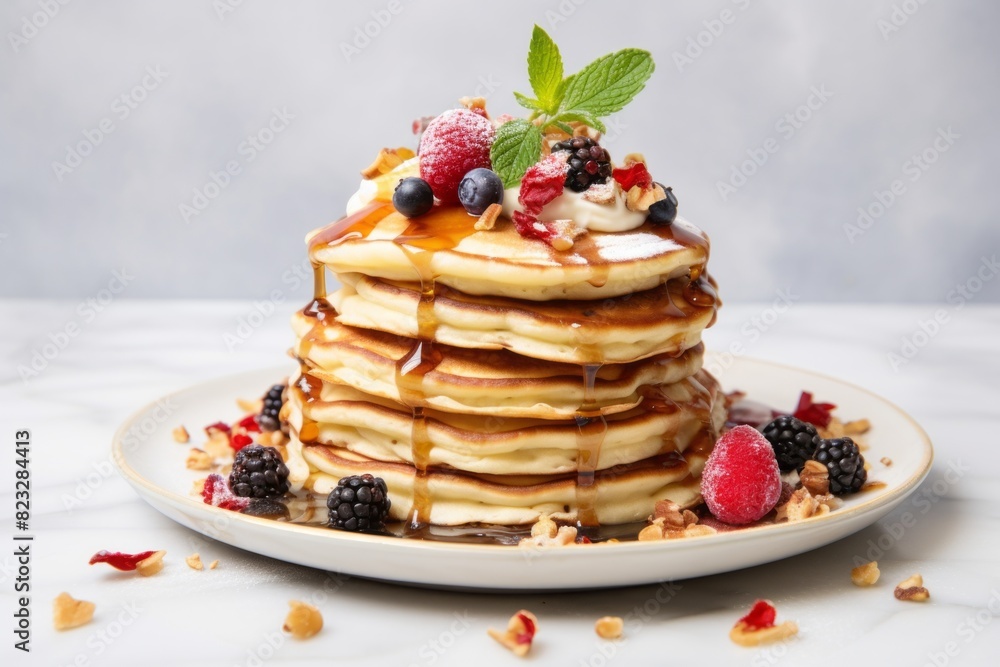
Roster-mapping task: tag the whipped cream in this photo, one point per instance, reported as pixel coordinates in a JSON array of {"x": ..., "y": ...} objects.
[
  {"x": 611, "y": 217},
  {"x": 368, "y": 190}
]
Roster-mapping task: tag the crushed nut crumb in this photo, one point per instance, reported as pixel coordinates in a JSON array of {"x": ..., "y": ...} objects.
[
  {"x": 520, "y": 633},
  {"x": 147, "y": 567},
  {"x": 886, "y": 461},
  {"x": 744, "y": 635},
  {"x": 198, "y": 459},
  {"x": 609, "y": 627},
  {"x": 194, "y": 562},
  {"x": 865, "y": 575},
  {"x": 488, "y": 219},
  {"x": 181, "y": 435},
  {"x": 815, "y": 478},
  {"x": 912, "y": 589},
  {"x": 214, "y": 564},
  {"x": 303, "y": 621},
  {"x": 68, "y": 612},
  {"x": 250, "y": 406}
]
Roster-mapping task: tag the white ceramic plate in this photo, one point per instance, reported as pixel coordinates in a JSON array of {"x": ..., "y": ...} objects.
[{"x": 153, "y": 463}]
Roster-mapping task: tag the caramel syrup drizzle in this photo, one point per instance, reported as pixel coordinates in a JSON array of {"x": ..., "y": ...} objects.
[{"x": 444, "y": 228}]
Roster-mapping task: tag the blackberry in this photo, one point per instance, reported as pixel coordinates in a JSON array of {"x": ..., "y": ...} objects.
[
  {"x": 359, "y": 503},
  {"x": 793, "y": 441},
  {"x": 844, "y": 463},
  {"x": 588, "y": 163},
  {"x": 258, "y": 472},
  {"x": 268, "y": 418}
]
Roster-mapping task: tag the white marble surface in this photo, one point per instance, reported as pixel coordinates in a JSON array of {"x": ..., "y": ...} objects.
[{"x": 134, "y": 351}]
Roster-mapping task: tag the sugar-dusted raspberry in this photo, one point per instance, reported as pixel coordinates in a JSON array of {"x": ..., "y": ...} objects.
[
  {"x": 741, "y": 481},
  {"x": 530, "y": 228},
  {"x": 454, "y": 143},
  {"x": 216, "y": 492},
  {"x": 543, "y": 182},
  {"x": 632, "y": 175},
  {"x": 813, "y": 413}
]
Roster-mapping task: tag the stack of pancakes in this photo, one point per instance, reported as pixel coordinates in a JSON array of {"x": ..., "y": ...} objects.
[{"x": 489, "y": 378}]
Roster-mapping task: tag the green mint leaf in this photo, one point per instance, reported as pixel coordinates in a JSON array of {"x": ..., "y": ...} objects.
[
  {"x": 528, "y": 103},
  {"x": 609, "y": 83},
  {"x": 545, "y": 69},
  {"x": 579, "y": 116},
  {"x": 517, "y": 146}
]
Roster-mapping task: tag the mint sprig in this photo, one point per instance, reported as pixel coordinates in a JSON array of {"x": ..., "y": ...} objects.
[
  {"x": 517, "y": 146},
  {"x": 600, "y": 89}
]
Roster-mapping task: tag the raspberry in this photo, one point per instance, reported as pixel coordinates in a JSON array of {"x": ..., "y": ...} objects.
[
  {"x": 741, "y": 481},
  {"x": 454, "y": 143}
]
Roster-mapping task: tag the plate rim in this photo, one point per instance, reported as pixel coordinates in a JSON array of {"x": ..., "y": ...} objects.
[{"x": 875, "y": 502}]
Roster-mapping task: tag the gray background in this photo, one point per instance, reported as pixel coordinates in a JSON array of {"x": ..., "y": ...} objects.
[{"x": 785, "y": 228}]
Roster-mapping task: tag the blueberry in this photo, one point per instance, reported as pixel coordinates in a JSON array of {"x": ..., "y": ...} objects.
[
  {"x": 664, "y": 211},
  {"x": 413, "y": 196},
  {"x": 478, "y": 189}
]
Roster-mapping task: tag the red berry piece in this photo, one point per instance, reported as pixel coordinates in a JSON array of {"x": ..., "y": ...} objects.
[
  {"x": 761, "y": 616},
  {"x": 634, "y": 174},
  {"x": 454, "y": 143},
  {"x": 543, "y": 182},
  {"x": 216, "y": 492},
  {"x": 120, "y": 561},
  {"x": 741, "y": 481},
  {"x": 818, "y": 414}
]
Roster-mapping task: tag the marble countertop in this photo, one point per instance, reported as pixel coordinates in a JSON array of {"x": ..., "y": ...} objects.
[{"x": 94, "y": 367}]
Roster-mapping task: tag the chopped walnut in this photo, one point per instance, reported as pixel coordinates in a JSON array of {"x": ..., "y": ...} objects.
[
  {"x": 659, "y": 529},
  {"x": 520, "y": 633},
  {"x": 214, "y": 564},
  {"x": 632, "y": 158},
  {"x": 602, "y": 193},
  {"x": 303, "y": 621},
  {"x": 151, "y": 565},
  {"x": 865, "y": 575},
  {"x": 218, "y": 446},
  {"x": 802, "y": 505},
  {"x": 488, "y": 219},
  {"x": 563, "y": 536},
  {"x": 886, "y": 461},
  {"x": 181, "y": 435},
  {"x": 250, "y": 406},
  {"x": 387, "y": 160},
  {"x": 609, "y": 627},
  {"x": 473, "y": 103},
  {"x": 639, "y": 198},
  {"x": 545, "y": 526},
  {"x": 745, "y": 635},
  {"x": 198, "y": 459},
  {"x": 670, "y": 512},
  {"x": 194, "y": 562},
  {"x": 815, "y": 478},
  {"x": 912, "y": 589},
  {"x": 68, "y": 612}
]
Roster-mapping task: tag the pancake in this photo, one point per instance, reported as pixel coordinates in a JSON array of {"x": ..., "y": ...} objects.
[
  {"x": 662, "y": 320},
  {"x": 668, "y": 421},
  {"x": 495, "y": 383},
  {"x": 500, "y": 262},
  {"x": 624, "y": 494}
]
